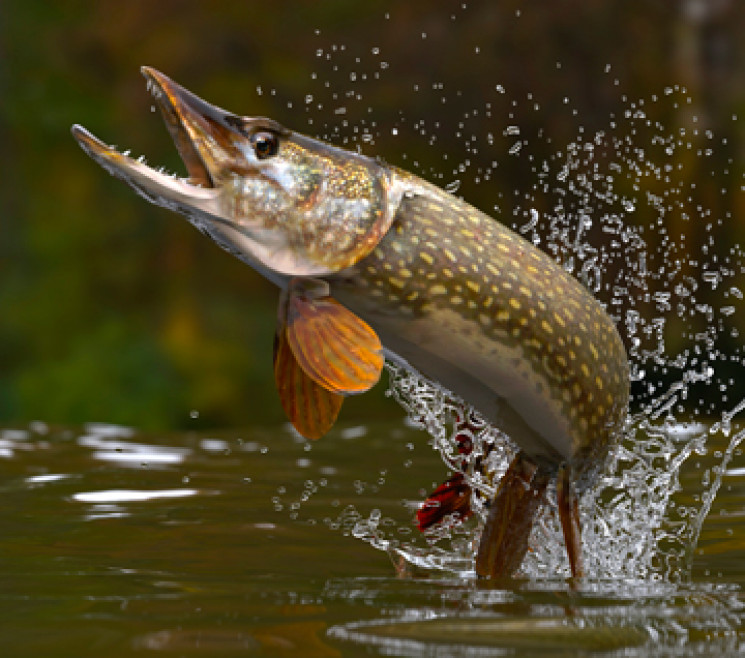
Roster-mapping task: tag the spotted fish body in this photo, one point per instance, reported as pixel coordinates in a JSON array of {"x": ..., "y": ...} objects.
[
  {"x": 479, "y": 309},
  {"x": 369, "y": 257}
]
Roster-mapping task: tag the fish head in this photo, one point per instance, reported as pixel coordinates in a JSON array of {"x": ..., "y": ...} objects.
[{"x": 285, "y": 203}]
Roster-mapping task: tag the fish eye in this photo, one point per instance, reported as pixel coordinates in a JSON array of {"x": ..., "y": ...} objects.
[{"x": 265, "y": 144}]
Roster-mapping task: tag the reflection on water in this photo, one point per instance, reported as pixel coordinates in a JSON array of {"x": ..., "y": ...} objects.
[
  {"x": 129, "y": 496},
  {"x": 237, "y": 546},
  {"x": 541, "y": 620}
]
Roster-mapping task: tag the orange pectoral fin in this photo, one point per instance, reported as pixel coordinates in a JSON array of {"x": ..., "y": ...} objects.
[
  {"x": 335, "y": 347},
  {"x": 311, "y": 408}
]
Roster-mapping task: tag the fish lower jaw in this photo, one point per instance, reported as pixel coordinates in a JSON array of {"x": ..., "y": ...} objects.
[{"x": 156, "y": 185}]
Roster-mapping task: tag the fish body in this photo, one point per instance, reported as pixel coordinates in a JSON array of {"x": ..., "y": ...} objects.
[
  {"x": 475, "y": 307},
  {"x": 369, "y": 257}
]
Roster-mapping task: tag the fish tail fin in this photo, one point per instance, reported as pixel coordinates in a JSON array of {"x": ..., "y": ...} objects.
[
  {"x": 569, "y": 517},
  {"x": 504, "y": 540}
]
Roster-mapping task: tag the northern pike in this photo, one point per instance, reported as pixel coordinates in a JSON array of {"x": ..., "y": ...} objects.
[{"x": 368, "y": 258}]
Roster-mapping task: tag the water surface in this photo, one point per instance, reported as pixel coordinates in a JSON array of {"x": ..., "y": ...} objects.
[{"x": 239, "y": 543}]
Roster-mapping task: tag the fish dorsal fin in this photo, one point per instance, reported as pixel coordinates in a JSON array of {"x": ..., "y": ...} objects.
[
  {"x": 335, "y": 347},
  {"x": 310, "y": 408}
]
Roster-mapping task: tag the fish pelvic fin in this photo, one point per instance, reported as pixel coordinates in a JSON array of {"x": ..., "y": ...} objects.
[{"x": 451, "y": 499}]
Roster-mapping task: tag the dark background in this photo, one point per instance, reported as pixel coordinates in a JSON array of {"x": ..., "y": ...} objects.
[{"x": 113, "y": 310}]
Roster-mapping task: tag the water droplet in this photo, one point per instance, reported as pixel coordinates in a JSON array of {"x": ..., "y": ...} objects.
[
  {"x": 515, "y": 148},
  {"x": 712, "y": 278},
  {"x": 531, "y": 225}
]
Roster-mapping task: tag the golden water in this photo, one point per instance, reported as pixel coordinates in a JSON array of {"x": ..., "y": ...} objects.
[{"x": 192, "y": 544}]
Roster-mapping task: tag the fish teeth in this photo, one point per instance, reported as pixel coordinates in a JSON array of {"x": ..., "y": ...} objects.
[{"x": 154, "y": 89}]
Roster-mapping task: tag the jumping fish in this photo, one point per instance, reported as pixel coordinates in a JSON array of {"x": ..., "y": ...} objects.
[{"x": 367, "y": 255}]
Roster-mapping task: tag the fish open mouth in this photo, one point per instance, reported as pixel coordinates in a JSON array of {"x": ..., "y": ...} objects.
[
  {"x": 173, "y": 102},
  {"x": 200, "y": 132}
]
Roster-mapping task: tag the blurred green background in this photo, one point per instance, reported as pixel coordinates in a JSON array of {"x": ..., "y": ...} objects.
[{"x": 114, "y": 310}]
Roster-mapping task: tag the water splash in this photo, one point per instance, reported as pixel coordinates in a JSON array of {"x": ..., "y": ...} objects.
[
  {"x": 652, "y": 168},
  {"x": 634, "y": 527},
  {"x": 677, "y": 305}
]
